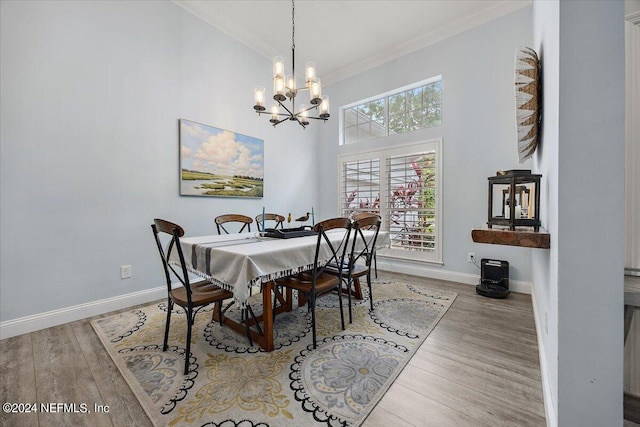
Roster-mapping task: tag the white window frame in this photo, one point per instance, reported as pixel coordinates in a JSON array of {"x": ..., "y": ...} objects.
[
  {"x": 385, "y": 95},
  {"x": 383, "y": 154}
]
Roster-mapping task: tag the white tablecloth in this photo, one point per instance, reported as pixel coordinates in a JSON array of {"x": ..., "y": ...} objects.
[{"x": 238, "y": 261}]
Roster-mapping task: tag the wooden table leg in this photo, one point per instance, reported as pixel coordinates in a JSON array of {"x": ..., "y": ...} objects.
[
  {"x": 289, "y": 301},
  {"x": 356, "y": 292},
  {"x": 302, "y": 299},
  {"x": 267, "y": 316}
]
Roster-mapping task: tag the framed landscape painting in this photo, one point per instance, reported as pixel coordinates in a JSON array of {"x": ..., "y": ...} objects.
[{"x": 218, "y": 162}]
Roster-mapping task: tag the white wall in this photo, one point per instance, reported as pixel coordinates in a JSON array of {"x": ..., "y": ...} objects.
[
  {"x": 578, "y": 283},
  {"x": 91, "y": 97},
  {"x": 478, "y": 131}
]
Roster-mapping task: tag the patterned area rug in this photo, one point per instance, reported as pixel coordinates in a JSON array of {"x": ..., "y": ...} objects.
[{"x": 233, "y": 384}]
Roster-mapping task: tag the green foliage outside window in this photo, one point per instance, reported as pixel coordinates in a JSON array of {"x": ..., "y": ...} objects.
[
  {"x": 412, "y": 205},
  {"x": 406, "y": 111}
]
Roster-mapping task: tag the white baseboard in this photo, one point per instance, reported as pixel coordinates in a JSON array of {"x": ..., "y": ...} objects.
[
  {"x": 549, "y": 409},
  {"x": 36, "y": 322},
  {"x": 421, "y": 269}
]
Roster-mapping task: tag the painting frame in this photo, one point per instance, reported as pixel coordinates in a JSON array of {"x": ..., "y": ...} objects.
[{"x": 215, "y": 162}]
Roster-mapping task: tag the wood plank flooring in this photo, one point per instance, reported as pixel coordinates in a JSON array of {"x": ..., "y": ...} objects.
[{"x": 479, "y": 367}]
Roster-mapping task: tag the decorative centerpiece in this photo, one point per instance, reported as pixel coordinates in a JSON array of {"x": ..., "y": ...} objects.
[{"x": 514, "y": 199}]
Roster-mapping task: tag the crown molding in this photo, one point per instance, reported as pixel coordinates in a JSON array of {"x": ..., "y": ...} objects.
[
  {"x": 457, "y": 27},
  {"x": 227, "y": 26}
]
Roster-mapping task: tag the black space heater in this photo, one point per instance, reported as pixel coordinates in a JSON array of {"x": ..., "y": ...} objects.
[{"x": 494, "y": 278}]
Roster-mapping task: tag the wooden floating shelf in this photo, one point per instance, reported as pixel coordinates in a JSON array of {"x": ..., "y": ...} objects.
[{"x": 524, "y": 238}]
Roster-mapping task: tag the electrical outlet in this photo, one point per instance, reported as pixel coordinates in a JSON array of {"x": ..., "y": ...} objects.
[
  {"x": 471, "y": 257},
  {"x": 125, "y": 271}
]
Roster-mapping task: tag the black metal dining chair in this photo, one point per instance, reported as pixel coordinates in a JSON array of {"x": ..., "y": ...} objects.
[
  {"x": 319, "y": 281},
  {"x": 261, "y": 221},
  {"x": 362, "y": 215},
  {"x": 221, "y": 220},
  {"x": 192, "y": 297},
  {"x": 362, "y": 249}
]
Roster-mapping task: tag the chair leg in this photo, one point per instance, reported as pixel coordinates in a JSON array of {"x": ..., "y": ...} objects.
[
  {"x": 187, "y": 354},
  {"x": 245, "y": 316},
  {"x": 370, "y": 291},
  {"x": 312, "y": 308},
  {"x": 341, "y": 305},
  {"x": 349, "y": 280},
  {"x": 275, "y": 299},
  {"x": 375, "y": 264},
  {"x": 166, "y": 328},
  {"x": 255, "y": 320}
]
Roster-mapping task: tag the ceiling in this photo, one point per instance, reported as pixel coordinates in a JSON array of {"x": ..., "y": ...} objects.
[{"x": 345, "y": 37}]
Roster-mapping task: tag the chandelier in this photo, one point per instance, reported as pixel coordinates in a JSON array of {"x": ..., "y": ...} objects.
[{"x": 286, "y": 89}]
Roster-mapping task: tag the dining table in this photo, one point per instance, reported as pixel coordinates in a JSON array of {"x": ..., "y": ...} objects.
[{"x": 242, "y": 262}]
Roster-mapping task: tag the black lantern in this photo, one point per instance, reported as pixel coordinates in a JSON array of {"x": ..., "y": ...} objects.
[{"x": 514, "y": 199}]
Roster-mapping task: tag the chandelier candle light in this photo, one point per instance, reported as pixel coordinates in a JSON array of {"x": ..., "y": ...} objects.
[{"x": 286, "y": 88}]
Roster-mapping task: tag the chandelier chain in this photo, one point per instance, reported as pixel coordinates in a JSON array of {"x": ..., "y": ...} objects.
[{"x": 293, "y": 24}]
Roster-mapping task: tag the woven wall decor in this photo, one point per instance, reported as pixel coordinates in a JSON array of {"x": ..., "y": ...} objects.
[{"x": 527, "y": 90}]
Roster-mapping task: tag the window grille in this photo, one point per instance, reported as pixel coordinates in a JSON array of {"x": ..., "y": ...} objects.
[
  {"x": 407, "y": 109},
  {"x": 411, "y": 206},
  {"x": 361, "y": 186},
  {"x": 402, "y": 185}
]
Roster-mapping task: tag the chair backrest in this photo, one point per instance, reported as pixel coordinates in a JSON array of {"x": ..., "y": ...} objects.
[
  {"x": 337, "y": 249},
  {"x": 237, "y": 218},
  {"x": 174, "y": 232},
  {"x": 360, "y": 215},
  {"x": 364, "y": 244},
  {"x": 278, "y": 219}
]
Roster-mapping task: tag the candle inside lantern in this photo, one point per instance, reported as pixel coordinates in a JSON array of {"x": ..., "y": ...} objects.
[
  {"x": 324, "y": 107},
  {"x": 274, "y": 114},
  {"x": 278, "y": 67},
  {"x": 278, "y": 88},
  {"x": 315, "y": 92},
  {"x": 304, "y": 115},
  {"x": 310, "y": 72},
  {"x": 258, "y": 93},
  {"x": 291, "y": 86}
]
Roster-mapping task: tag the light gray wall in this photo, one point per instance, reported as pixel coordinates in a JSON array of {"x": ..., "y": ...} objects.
[
  {"x": 478, "y": 129},
  {"x": 545, "y": 263},
  {"x": 578, "y": 283},
  {"x": 91, "y": 97}
]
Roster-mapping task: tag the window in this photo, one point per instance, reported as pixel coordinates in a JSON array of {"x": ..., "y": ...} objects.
[
  {"x": 361, "y": 186},
  {"x": 402, "y": 185},
  {"x": 408, "y": 109}
]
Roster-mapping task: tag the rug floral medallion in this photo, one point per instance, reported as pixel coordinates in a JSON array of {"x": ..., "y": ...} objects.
[{"x": 233, "y": 384}]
